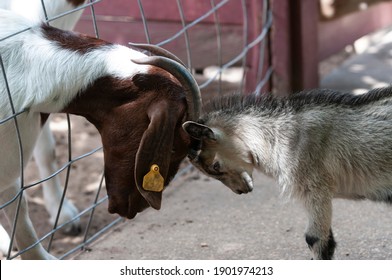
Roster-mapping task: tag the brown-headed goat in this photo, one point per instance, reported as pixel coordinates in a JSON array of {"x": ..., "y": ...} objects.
[{"x": 137, "y": 103}]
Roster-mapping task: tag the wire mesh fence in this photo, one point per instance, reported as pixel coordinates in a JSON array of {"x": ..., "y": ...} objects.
[{"x": 224, "y": 42}]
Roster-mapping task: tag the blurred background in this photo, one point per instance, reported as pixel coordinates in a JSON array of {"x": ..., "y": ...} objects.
[{"x": 263, "y": 46}]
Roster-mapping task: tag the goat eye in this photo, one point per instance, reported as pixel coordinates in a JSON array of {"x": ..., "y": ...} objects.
[{"x": 216, "y": 166}]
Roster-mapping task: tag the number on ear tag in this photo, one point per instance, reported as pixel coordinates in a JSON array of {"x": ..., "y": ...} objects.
[{"x": 153, "y": 180}]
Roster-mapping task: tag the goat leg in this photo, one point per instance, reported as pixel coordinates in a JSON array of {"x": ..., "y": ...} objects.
[{"x": 319, "y": 236}]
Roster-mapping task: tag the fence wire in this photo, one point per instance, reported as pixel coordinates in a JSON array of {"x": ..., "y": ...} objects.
[{"x": 258, "y": 44}]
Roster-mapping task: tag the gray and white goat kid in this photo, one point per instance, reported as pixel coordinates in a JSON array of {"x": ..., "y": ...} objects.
[{"x": 317, "y": 144}]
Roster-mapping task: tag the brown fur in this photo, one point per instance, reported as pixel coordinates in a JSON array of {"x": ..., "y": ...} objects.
[
  {"x": 67, "y": 40},
  {"x": 132, "y": 144}
]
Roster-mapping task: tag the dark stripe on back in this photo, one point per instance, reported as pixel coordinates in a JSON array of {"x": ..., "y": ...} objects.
[
  {"x": 332, "y": 97},
  {"x": 72, "y": 41},
  {"x": 296, "y": 101}
]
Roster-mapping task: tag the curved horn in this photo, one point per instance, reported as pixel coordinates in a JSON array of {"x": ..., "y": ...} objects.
[
  {"x": 156, "y": 50},
  {"x": 193, "y": 96}
]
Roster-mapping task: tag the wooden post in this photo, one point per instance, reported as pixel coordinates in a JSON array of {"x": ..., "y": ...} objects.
[
  {"x": 304, "y": 16},
  {"x": 255, "y": 27},
  {"x": 294, "y": 45},
  {"x": 281, "y": 47}
]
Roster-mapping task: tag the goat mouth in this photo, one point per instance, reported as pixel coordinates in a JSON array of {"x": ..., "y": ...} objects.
[
  {"x": 243, "y": 191},
  {"x": 245, "y": 188}
]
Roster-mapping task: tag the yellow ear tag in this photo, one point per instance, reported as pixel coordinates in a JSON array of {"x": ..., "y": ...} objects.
[{"x": 153, "y": 180}]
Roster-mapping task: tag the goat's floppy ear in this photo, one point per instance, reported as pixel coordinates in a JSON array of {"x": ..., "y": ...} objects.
[
  {"x": 156, "y": 147},
  {"x": 199, "y": 131}
]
